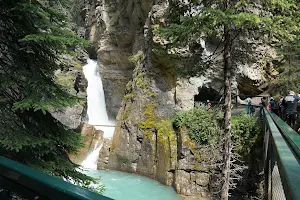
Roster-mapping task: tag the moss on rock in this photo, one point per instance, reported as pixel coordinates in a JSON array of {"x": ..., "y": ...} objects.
[
  {"x": 139, "y": 56},
  {"x": 149, "y": 121},
  {"x": 141, "y": 80},
  {"x": 129, "y": 96}
]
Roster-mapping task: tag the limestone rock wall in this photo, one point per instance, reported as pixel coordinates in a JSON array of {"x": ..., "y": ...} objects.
[
  {"x": 115, "y": 30},
  {"x": 144, "y": 93},
  {"x": 75, "y": 115},
  {"x": 144, "y": 141}
]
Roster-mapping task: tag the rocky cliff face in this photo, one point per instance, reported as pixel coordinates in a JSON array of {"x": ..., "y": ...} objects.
[
  {"x": 144, "y": 141},
  {"x": 144, "y": 99},
  {"x": 75, "y": 115},
  {"x": 115, "y": 30}
]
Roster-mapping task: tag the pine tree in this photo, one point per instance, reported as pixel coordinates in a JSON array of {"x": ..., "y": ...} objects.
[
  {"x": 32, "y": 38},
  {"x": 191, "y": 21},
  {"x": 286, "y": 32}
]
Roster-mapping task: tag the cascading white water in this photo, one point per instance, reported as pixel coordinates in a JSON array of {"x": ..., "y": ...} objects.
[
  {"x": 91, "y": 161},
  {"x": 96, "y": 110}
]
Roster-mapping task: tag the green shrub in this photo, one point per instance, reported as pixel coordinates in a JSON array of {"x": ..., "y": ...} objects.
[
  {"x": 245, "y": 130},
  {"x": 201, "y": 124}
]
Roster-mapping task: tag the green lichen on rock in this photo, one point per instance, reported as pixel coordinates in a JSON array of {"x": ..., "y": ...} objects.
[
  {"x": 149, "y": 121},
  {"x": 166, "y": 136},
  {"x": 188, "y": 142},
  {"x": 129, "y": 85},
  {"x": 150, "y": 93},
  {"x": 141, "y": 80},
  {"x": 139, "y": 56},
  {"x": 129, "y": 96},
  {"x": 66, "y": 80},
  {"x": 165, "y": 131},
  {"x": 162, "y": 129},
  {"x": 148, "y": 134},
  {"x": 126, "y": 111}
]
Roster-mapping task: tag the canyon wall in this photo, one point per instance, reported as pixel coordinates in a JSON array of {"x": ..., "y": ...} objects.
[{"x": 142, "y": 92}]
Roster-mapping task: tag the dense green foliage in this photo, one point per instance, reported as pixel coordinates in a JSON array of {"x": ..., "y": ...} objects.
[
  {"x": 32, "y": 36},
  {"x": 200, "y": 123},
  {"x": 192, "y": 23},
  {"x": 203, "y": 126},
  {"x": 287, "y": 80},
  {"x": 285, "y": 30},
  {"x": 275, "y": 22},
  {"x": 245, "y": 131}
]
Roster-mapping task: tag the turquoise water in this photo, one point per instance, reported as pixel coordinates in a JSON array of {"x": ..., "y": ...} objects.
[{"x": 125, "y": 186}]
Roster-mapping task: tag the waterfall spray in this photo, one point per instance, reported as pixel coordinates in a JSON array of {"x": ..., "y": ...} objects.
[{"x": 96, "y": 110}]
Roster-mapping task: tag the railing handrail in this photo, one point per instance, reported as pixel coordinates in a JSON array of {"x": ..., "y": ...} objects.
[
  {"x": 288, "y": 162},
  {"x": 21, "y": 178},
  {"x": 291, "y": 136}
]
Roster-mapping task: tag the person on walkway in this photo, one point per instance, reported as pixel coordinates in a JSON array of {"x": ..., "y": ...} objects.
[
  {"x": 274, "y": 106},
  {"x": 262, "y": 105},
  {"x": 208, "y": 104},
  {"x": 248, "y": 106},
  {"x": 290, "y": 106},
  {"x": 281, "y": 109},
  {"x": 297, "y": 123}
]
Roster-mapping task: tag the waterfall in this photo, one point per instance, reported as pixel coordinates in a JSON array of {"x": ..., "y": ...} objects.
[
  {"x": 96, "y": 110},
  {"x": 91, "y": 160}
]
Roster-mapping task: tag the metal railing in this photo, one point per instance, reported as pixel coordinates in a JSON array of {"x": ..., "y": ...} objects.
[
  {"x": 18, "y": 181},
  {"x": 281, "y": 159}
]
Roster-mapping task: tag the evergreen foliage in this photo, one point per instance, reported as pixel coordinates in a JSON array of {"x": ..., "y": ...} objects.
[
  {"x": 275, "y": 21},
  {"x": 192, "y": 21},
  {"x": 245, "y": 131},
  {"x": 284, "y": 27},
  {"x": 225, "y": 20},
  {"x": 32, "y": 36},
  {"x": 201, "y": 124}
]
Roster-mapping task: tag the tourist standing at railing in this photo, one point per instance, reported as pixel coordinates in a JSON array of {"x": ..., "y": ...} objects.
[
  {"x": 281, "y": 109},
  {"x": 290, "y": 106},
  {"x": 262, "y": 104},
  {"x": 274, "y": 106},
  {"x": 248, "y": 106}
]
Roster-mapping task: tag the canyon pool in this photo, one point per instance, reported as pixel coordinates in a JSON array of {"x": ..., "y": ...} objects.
[{"x": 125, "y": 186}]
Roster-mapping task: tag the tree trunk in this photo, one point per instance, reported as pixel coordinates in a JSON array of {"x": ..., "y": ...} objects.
[{"x": 227, "y": 114}]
